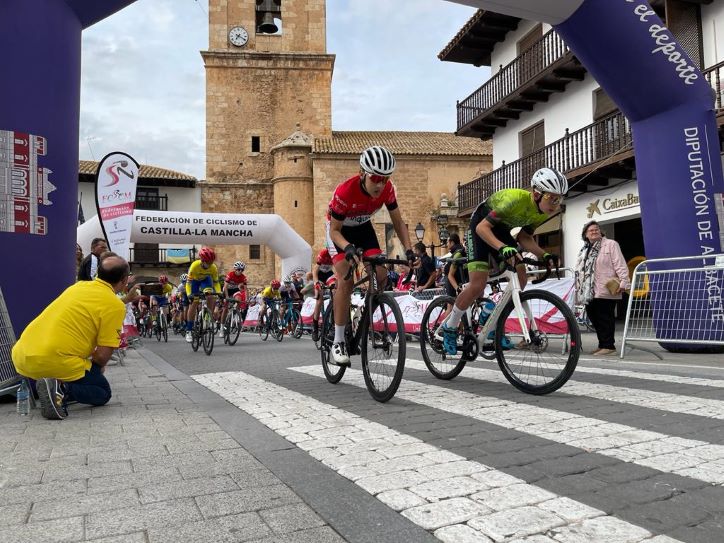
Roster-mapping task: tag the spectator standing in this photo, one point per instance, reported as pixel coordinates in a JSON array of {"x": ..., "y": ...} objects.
[
  {"x": 455, "y": 273},
  {"x": 425, "y": 268},
  {"x": 601, "y": 277},
  {"x": 89, "y": 266},
  {"x": 78, "y": 258},
  {"x": 67, "y": 346}
]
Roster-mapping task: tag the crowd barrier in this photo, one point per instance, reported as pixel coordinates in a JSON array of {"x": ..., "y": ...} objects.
[
  {"x": 413, "y": 305},
  {"x": 677, "y": 301},
  {"x": 9, "y": 379}
]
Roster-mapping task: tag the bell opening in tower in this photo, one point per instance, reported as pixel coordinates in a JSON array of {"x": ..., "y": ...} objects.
[{"x": 269, "y": 17}]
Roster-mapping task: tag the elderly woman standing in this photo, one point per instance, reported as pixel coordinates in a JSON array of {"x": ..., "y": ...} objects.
[{"x": 601, "y": 277}]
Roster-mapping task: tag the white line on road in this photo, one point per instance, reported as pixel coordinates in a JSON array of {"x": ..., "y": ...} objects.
[
  {"x": 686, "y": 457},
  {"x": 457, "y": 499}
]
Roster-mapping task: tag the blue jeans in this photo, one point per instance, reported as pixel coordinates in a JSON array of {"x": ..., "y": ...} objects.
[{"x": 91, "y": 389}]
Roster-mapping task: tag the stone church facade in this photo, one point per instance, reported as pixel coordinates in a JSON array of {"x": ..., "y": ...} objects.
[{"x": 270, "y": 147}]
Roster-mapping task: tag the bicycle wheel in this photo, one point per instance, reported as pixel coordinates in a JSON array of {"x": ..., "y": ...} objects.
[
  {"x": 234, "y": 327},
  {"x": 209, "y": 331},
  {"x": 297, "y": 326},
  {"x": 548, "y": 361},
  {"x": 164, "y": 327},
  {"x": 263, "y": 327},
  {"x": 441, "y": 364},
  {"x": 196, "y": 332},
  {"x": 277, "y": 327},
  {"x": 383, "y": 348},
  {"x": 332, "y": 372}
]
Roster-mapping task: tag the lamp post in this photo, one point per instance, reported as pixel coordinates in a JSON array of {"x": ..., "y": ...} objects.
[{"x": 442, "y": 233}]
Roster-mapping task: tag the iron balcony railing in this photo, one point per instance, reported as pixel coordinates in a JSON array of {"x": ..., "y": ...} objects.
[
  {"x": 574, "y": 150},
  {"x": 582, "y": 148},
  {"x": 153, "y": 255},
  {"x": 152, "y": 203},
  {"x": 714, "y": 76},
  {"x": 529, "y": 64}
]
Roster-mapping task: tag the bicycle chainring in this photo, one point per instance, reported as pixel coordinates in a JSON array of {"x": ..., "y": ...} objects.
[{"x": 470, "y": 348}]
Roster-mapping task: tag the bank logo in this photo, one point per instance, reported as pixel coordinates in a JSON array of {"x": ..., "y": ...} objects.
[{"x": 593, "y": 208}]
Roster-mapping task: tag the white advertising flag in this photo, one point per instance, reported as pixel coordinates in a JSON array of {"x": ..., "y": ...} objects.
[{"x": 116, "y": 181}]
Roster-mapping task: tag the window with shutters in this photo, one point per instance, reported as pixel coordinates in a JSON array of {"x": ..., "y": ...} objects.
[
  {"x": 602, "y": 104},
  {"x": 527, "y": 41},
  {"x": 532, "y": 139},
  {"x": 528, "y": 65},
  {"x": 254, "y": 252}
]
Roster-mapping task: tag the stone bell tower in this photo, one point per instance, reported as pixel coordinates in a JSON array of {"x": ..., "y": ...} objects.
[
  {"x": 267, "y": 73},
  {"x": 266, "y": 70}
]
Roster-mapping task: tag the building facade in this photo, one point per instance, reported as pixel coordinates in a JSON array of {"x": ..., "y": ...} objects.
[
  {"x": 541, "y": 107},
  {"x": 270, "y": 143}
]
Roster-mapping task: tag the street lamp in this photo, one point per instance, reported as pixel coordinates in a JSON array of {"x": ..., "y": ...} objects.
[{"x": 419, "y": 231}]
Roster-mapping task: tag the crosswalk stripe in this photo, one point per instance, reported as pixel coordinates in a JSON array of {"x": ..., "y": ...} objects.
[
  {"x": 456, "y": 499},
  {"x": 678, "y": 379},
  {"x": 686, "y": 457},
  {"x": 664, "y": 401}
]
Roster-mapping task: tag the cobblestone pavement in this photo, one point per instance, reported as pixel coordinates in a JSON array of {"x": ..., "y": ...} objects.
[{"x": 252, "y": 443}]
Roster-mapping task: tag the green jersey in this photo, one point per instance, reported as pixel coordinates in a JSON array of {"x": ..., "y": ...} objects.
[{"x": 514, "y": 208}]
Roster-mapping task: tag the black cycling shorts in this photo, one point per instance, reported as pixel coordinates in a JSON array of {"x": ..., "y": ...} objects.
[{"x": 482, "y": 255}]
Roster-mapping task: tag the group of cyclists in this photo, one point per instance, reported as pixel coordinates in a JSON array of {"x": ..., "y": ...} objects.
[{"x": 350, "y": 236}]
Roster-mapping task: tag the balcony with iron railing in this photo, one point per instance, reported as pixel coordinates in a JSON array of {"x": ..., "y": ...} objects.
[
  {"x": 575, "y": 150},
  {"x": 152, "y": 202},
  {"x": 575, "y": 153},
  {"x": 546, "y": 67}
]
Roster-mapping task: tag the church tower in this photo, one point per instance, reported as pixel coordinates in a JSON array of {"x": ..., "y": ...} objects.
[
  {"x": 266, "y": 70},
  {"x": 267, "y": 73}
]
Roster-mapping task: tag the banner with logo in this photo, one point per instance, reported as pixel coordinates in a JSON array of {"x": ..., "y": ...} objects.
[{"x": 116, "y": 180}]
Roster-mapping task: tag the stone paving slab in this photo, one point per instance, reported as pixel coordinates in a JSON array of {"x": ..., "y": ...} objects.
[{"x": 149, "y": 466}]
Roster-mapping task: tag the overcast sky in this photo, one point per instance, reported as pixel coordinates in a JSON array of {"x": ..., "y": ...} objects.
[{"x": 143, "y": 80}]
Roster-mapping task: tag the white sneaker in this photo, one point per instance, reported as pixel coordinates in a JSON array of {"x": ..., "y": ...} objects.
[
  {"x": 189, "y": 338},
  {"x": 339, "y": 354},
  {"x": 221, "y": 333}
]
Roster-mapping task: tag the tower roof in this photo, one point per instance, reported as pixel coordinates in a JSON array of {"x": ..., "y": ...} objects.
[
  {"x": 404, "y": 143},
  {"x": 295, "y": 139}
]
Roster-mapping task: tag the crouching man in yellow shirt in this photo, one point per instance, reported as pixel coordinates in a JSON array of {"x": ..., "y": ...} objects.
[{"x": 68, "y": 345}]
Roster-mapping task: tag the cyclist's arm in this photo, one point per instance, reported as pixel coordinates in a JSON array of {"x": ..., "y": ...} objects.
[
  {"x": 400, "y": 228},
  {"x": 484, "y": 229},
  {"x": 335, "y": 232},
  {"x": 527, "y": 242}
]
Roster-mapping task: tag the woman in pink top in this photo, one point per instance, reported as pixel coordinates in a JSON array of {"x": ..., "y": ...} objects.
[{"x": 601, "y": 277}]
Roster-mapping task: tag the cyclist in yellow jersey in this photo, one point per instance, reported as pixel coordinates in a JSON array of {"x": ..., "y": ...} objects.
[
  {"x": 489, "y": 236},
  {"x": 270, "y": 294},
  {"x": 202, "y": 276},
  {"x": 161, "y": 302}
]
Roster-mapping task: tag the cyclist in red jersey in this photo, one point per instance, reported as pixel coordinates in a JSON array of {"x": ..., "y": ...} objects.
[
  {"x": 349, "y": 227},
  {"x": 234, "y": 287}
]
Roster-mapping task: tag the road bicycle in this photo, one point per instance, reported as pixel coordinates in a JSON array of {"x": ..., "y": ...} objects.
[
  {"x": 270, "y": 322},
  {"x": 233, "y": 322},
  {"x": 376, "y": 332},
  {"x": 533, "y": 334},
  {"x": 204, "y": 327},
  {"x": 161, "y": 326},
  {"x": 292, "y": 320}
]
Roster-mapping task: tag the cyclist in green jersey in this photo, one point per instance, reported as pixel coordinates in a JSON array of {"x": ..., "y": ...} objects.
[{"x": 489, "y": 236}]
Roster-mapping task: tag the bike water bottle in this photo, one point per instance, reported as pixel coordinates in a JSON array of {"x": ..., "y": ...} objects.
[
  {"x": 23, "y": 396},
  {"x": 486, "y": 311}
]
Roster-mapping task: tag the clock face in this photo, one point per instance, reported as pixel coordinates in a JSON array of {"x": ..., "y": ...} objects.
[{"x": 238, "y": 36}]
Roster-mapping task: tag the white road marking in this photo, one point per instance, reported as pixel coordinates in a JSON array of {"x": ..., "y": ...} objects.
[
  {"x": 686, "y": 457},
  {"x": 456, "y": 499}
]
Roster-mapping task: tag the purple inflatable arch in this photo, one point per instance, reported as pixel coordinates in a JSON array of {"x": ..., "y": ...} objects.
[{"x": 621, "y": 42}]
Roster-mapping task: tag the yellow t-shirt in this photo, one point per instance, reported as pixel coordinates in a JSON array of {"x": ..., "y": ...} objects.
[
  {"x": 59, "y": 342},
  {"x": 167, "y": 289},
  {"x": 270, "y": 294}
]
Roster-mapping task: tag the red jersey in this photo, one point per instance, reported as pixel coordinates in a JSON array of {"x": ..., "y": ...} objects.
[
  {"x": 234, "y": 279},
  {"x": 351, "y": 205}
]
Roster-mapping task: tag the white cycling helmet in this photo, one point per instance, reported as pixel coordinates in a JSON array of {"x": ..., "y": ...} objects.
[
  {"x": 184, "y": 277},
  {"x": 377, "y": 160},
  {"x": 239, "y": 266},
  {"x": 549, "y": 180}
]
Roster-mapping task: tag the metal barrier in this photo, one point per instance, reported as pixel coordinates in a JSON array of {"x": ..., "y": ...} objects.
[
  {"x": 676, "y": 301},
  {"x": 9, "y": 379}
]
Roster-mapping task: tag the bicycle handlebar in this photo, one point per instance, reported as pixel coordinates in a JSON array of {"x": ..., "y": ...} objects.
[{"x": 378, "y": 260}]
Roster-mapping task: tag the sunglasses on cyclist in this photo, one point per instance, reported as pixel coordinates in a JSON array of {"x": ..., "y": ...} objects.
[
  {"x": 553, "y": 199},
  {"x": 378, "y": 179}
]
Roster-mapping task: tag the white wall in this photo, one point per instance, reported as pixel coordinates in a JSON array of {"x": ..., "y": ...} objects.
[
  {"x": 572, "y": 109},
  {"x": 580, "y": 210},
  {"x": 712, "y": 25},
  {"x": 505, "y": 52}
]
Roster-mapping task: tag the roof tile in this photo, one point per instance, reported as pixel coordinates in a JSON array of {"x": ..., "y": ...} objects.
[
  {"x": 404, "y": 143},
  {"x": 89, "y": 167}
]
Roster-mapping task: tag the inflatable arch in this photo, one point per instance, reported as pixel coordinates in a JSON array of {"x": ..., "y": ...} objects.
[
  {"x": 621, "y": 42},
  {"x": 212, "y": 229}
]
